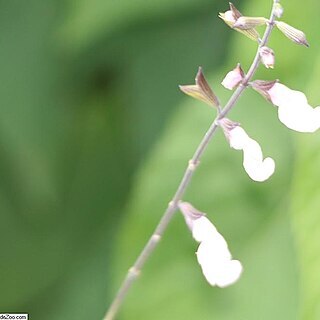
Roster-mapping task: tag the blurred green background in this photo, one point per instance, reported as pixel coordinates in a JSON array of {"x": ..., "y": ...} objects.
[{"x": 95, "y": 135}]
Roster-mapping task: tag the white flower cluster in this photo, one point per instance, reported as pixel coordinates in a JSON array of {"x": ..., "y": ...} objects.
[
  {"x": 213, "y": 254},
  {"x": 293, "y": 111}
]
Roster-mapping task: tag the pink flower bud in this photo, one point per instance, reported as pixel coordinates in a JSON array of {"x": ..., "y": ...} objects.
[
  {"x": 278, "y": 10},
  {"x": 233, "y": 78},
  {"x": 229, "y": 16},
  {"x": 292, "y": 33},
  {"x": 267, "y": 57},
  {"x": 213, "y": 254},
  {"x": 257, "y": 168},
  {"x": 293, "y": 109}
]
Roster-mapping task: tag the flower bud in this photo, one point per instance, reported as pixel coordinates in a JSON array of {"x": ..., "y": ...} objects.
[
  {"x": 267, "y": 57},
  {"x": 213, "y": 254},
  {"x": 257, "y": 168},
  {"x": 278, "y": 10},
  {"x": 292, "y": 33},
  {"x": 201, "y": 90},
  {"x": 245, "y": 23},
  {"x": 233, "y": 78},
  {"x": 228, "y": 17},
  {"x": 231, "y": 16}
]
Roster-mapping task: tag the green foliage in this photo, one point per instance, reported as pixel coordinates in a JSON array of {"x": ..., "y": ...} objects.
[
  {"x": 90, "y": 93},
  {"x": 74, "y": 124},
  {"x": 89, "y": 19}
]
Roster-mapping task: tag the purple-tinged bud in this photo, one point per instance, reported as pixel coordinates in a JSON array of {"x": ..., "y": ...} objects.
[
  {"x": 246, "y": 23},
  {"x": 231, "y": 16},
  {"x": 292, "y": 33},
  {"x": 267, "y": 57},
  {"x": 278, "y": 10},
  {"x": 233, "y": 78},
  {"x": 201, "y": 90}
]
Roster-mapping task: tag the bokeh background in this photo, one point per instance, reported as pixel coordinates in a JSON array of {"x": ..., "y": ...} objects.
[{"x": 95, "y": 135}]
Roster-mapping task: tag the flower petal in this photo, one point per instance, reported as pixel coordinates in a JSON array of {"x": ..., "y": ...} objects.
[
  {"x": 294, "y": 110},
  {"x": 233, "y": 78},
  {"x": 215, "y": 260},
  {"x": 213, "y": 254},
  {"x": 257, "y": 168},
  {"x": 203, "y": 229}
]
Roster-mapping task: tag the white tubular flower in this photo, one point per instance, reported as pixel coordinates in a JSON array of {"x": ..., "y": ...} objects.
[
  {"x": 293, "y": 109},
  {"x": 267, "y": 57},
  {"x": 257, "y": 168},
  {"x": 218, "y": 268},
  {"x": 213, "y": 254},
  {"x": 233, "y": 78}
]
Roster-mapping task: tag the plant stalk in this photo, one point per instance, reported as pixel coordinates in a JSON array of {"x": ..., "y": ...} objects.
[{"x": 135, "y": 270}]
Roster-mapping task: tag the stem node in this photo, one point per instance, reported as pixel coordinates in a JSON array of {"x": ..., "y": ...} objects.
[{"x": 193, "y": 165}]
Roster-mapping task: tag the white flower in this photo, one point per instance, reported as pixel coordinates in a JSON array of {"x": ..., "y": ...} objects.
[
  {"x": 267, "y": 57},
  {"x": 213, "y": 254},
  {"x": 257, "y": 168},
  {"x": 294, "y": 110},
  {"x": 233, "y": 78},
  {"x": 216, "y": 263}
]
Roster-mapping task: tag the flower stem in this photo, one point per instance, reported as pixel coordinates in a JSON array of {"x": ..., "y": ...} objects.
[{"x": 135, "y": 270}]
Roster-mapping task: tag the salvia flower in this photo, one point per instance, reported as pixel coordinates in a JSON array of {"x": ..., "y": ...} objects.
[
  {"x": 293, "y": 109},
  {"x": 233, "y": 78},
  {"x": 257, "y": 168},
  {"x": 213, "y": 254},
  {"x": 267, "y": 57}
]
